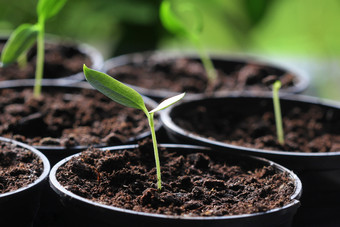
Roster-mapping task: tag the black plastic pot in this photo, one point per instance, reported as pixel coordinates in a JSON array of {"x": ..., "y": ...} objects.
[
  {"x": 87, "y": 50},
  {"x": 319, "y": 172},
  {"x": 225, "y": 63},
  {"x": 55, "y": 153},
  {"x": 19, "y": 207},
  {"x": 90, "y": 213}
]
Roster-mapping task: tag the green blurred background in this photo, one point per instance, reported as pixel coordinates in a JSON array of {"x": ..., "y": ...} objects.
[{"x": 298, "y": 33}]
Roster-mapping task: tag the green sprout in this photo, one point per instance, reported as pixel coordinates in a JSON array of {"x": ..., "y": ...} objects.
[
  {"x": 177, "y": 25},
  {"x": 23, "y": 38},
  {"x": 277, "y": 112},
  {"x": 127, "y": 96}
]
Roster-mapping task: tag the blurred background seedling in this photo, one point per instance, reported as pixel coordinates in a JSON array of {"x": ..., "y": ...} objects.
[{"x": 25, "y": 36}]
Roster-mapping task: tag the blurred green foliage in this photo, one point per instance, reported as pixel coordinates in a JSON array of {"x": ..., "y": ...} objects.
[
  {"x": 305, "y": 27},
  {"x": 299, "y": 28},
  {"x": 266, "y": 26}
]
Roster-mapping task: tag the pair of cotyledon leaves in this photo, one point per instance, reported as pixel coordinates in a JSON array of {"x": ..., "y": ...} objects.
[{"x": 123, "y": 94}]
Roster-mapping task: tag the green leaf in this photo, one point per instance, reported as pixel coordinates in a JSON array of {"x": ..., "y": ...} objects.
[
  {"x": 19, "y": 42},
  {"x": 170, "y": 21},
  {"x": 168, "y": 102},
  {"x": 194, "y": 16},
  {"x": 49, "y": 8},
  {"x": 114, "y": 89},
  {"x": 175, "y": 24}
]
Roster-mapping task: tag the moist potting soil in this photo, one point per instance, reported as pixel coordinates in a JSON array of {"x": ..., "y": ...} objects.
[
  {"x": 193, "y": 183},
  {"x": 188, "y": 75},
  {"x": 307, "y": 128},
  {"x": 67, "y": 117},
  {"x": 19, "y": 167}
]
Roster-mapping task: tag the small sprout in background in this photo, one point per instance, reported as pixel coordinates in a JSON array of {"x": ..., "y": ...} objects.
[
  {"x": 23, "y": 38},
  {"x": 127, "y": 96},
  {"x": 277, "y": 112},
  {"x": 175, "y": 24}
]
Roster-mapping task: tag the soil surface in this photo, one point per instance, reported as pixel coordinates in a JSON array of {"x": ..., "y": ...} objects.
[
  {"x": 307, "y": 128},
  {"x": 188, "y": 75},
  {"x": 18, "y": 167},
  {"x": 194, "y": 184},
  {"x": 67, "y": 117},
  {"x": 60, "y": 61}
]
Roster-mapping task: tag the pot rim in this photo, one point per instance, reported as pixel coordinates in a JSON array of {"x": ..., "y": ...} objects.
[
  {"x": 65, "y": 83},
  {"x": 302, "y": 80},
  {"x": 59, "y": 189},
  {"x": 41, "y": 178},
  {"x": 169, "y": 124}
]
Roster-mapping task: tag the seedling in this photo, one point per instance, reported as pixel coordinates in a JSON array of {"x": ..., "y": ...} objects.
[
  {"x": 23, "y": 38},
  {"x": 176, "y": 25},
  {"x": 277, "y": 112},
  {"x": 127, "y": 96}
]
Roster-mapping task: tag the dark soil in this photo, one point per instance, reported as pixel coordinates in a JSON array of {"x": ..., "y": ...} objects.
[
  {"x": 60, "y": 61},
  {"x": 18, "y": 167},
  {"x": 307, "y": 128},
  {"x": 194, "y": 184},
  {"x": 67, "y": 117},
  {"x": 185, "y": 75}
]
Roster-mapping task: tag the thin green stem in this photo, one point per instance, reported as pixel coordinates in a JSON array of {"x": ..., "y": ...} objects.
[
  {"x": 155, "y": 149},
  {"x": 207, "y": 63},
  {"x": 40, "y": 58},
  {"x": 277, "y": 112}
]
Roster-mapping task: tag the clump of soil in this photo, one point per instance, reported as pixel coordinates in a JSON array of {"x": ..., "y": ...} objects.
[
  {"x": 194, "y": 183},
  {"x": 18, "y": 167},
  {"x": 60, "y": 61},
  {"x": 251, "y": 123},
  {"x": 67, "y": 117},
  {"x": 188, "y": 75}
]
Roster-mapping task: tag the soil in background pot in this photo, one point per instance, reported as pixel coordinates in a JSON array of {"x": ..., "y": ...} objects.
[
  {"x": 67, "y": 117},
  {"x": 188, "y": 75},
  {"x": 308, "y": 128},
  {"x": 60, "y": 61},
  {"x": 194, "y": 184},
  {"x": 19, "y": 167}
]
